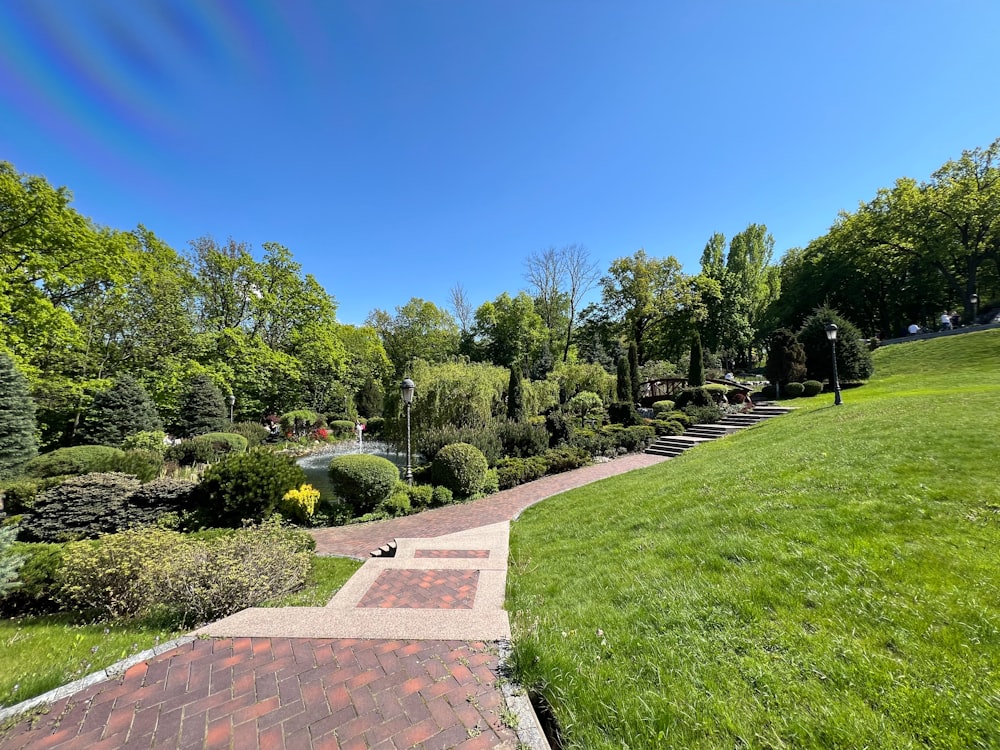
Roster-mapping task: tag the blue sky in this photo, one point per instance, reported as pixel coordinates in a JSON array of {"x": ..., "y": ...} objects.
[{"x": 399, "y": 148}]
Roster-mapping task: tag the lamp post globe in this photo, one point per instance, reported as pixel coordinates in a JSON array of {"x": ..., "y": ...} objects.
[
  {"x": 831, "y": 333},
  {"x": 406, "y": 390},
  {"x": 974, "y": 301},
  {"x": 232, "y": 403}
]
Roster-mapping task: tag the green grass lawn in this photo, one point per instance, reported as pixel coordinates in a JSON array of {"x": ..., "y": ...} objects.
[
  {"x": 828, "y": 579},
  {"x": 38, "y": 654}
]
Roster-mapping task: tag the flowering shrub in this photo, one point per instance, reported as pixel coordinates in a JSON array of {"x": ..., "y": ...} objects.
[
  {"x": 300, "y": 503},
  {"x": 321, "y": 434}
]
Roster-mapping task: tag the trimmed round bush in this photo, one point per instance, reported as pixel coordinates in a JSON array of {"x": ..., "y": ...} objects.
[
  {"x": 246, "y": 486},
  {"x": 668, "y": 427},
  {"x": 343, "y": 428},
  {"x": 662, "y": 407},
  {"x": 79, "y": 459},
  {"x": 461, "y": 468},
  {"x": 793, "y": 390},
  {"x": 191, "y": 452},
  {"x": 223, "y": 443},
  {"x": 768, "y": 391},
  {"x": 812, "y": 388},
  {"x": 363, "y": 481},
  {"x": 255, "y": 433}
]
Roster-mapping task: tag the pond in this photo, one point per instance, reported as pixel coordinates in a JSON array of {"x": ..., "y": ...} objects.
[{"x": 315, "y": 465}]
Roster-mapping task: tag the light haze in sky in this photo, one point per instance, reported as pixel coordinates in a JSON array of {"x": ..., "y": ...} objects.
[{"x": 399, "y": 148}]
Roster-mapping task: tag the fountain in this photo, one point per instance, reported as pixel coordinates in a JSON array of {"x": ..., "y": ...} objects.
[{"x": 315, "y": 465}]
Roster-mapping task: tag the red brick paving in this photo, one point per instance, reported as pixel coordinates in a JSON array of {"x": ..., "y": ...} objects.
[
  {"x": 279, "y": 693},
  {"x": 359, "y": 540},
  {"x": 456, "y": 553},
  {"x": 422, "y": 589}
]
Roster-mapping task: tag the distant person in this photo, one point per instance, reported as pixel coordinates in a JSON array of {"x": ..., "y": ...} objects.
[
  {"x": 945, "y": 321},
  {"x": 913, "y": 330}
]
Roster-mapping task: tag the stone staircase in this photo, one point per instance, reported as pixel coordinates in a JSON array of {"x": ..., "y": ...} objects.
[{"x": 674, "y": 445}]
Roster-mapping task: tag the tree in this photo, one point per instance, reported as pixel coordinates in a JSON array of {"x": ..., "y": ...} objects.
[
  {"x": 118, "y": 412},
  {"x": 786, "y": 358},
  {"x": 515, "y": 396},
  {"x": 509, "y": 330},
  {"x": 623, "y": 381},
  {"x": 418, "y": 330},
  {"x": 633, "y": 373},
  {"x": 696, "y": 369},
  {"x": 581, "y": 275},
  {"x": 203, "y": 408},
  {"x": 17, "y": 418},
  {"x": 854, "y": 358}
]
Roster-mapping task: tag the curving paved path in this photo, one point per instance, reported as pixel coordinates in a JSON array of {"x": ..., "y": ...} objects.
[{"x": 422, "y": 674}]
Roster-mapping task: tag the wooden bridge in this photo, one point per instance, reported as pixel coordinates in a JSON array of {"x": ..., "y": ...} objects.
[{"x": 666, "y": 389}]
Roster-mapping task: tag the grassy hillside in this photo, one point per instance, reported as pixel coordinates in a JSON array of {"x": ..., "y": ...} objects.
[{"x": 827, "y": 579}]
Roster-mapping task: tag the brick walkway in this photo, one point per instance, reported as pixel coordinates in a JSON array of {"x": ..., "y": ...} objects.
[
  {"x": 294, "y": 694},
  {"x": 427, "y": 690},
  {"x": 358, "y": 541}
]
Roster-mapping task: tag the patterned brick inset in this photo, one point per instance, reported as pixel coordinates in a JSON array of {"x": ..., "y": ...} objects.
[
  {"x": 422, "y": 589},
  {"x": 462, "y": 553}
]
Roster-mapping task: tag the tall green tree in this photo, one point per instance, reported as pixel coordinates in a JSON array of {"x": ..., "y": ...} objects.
[
  {"x": 786, "y": 358},
  {"x": 17, "y": 418},
  {"x": 515, "y": 396},
  {"x": 203, "y": 408},
  {"x": 510, "y": 330},
  {"x": 696, "y": 367},
  {"x": 854, "y": 359},
  {"x": 633, "y": 372},
  {"x": 118, "y": 412},
  {"x": 623, "y": 381},
  {"x": 418, "y": 330}
]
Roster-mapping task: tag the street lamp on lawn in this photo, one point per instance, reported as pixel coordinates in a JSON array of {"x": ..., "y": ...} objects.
[
  {"x": 232, "y": 403},
  {"x": 406, "y": 389},
  {"x": 974, "y": 301},
  {"x": 831, "y": 333}
]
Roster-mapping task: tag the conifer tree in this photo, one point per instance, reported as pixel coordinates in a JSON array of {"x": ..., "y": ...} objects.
[
  {"x": 623, "y": 385},
  {"x": 203, "y": 408},
  {"x": 515, "y": 395},
  {"x": 786, "y": 358},
  {"x": 17, "y": 418},
  {"x": 121, "y": 411},
  {"x": 696, "y": 370},
  {"x": 633, "y": 369}
]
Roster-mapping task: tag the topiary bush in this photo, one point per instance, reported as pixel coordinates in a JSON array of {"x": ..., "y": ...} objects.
[
  {"x": 421, "y": 495},
  {"x": 254, "y": 433},
  {"x": 301, "y": 422},
  {"x": 246, "y": 486},
  {"x": 793, "y": 390},
  {"x": 342, "y": 429},
  {"x": 812, "y": 388},
  {"x": 485, "y": 438},
  {"x": 223, "y": 443},
  {"x": 77, "y": 460},
  {"x": 82, "y": 507},
  {"x": 662, "y": 407},
  {"x": 668, "y": 427},
  {"x": 363, "y": 481},
  {"x": 768, "y": 391},
  {"x": 461, "y": 468}
]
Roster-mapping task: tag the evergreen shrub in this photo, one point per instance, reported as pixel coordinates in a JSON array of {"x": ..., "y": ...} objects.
[
  {"x": 82, "y": 507},
  {"x": 522, "y": 439},
  {"x": 343, "y": 429},
  {"x": 699, "y": 396},
  {"x": 190, "y": 452},
  {"x": 374, "y": 428},
  {"x": 223, "y": 443},
  {"x": 559, "y": 427},
  {"x": 461, "y": 467},
  {"x": 302, "y": 421},
  {"x": 703, "y": 414},
  {"x": 594, "y": 443},
  {"x": 514, "y": 471},
  {"x": 632, "y": 439},
  {"x": 254, "y": 433},
  {"x": 565, "y": 458},
  {"x": 155, "y": 501},
  {"x": 793, "y": 390},
  {"x": 623, "y": 413},
  {"x": 716, "y": 391},
  {"x": 421, "y": 495},
  {"x": 246, "y": 486},
  {"x": 147, "y": 440},
  {"x": 397, "y": 504},
  {"x": 442, "y": 496},
  {"x": 76, "y": 460},
  {"x": 428, "y": 442},
  {"x": 10, "y": 561},
  {"x": 684, "y": 420},
  {"x": 659, "y": 407},
  {"x": 812, "y": 388},
  {"x": 19, "y": 495},
  {"x": 363, "y": 481},
  {"x": 143, "y": 465},
  {"x": 122, "y": 410},
  {"x": 769, "y": 391},
  {"x": 36, "y": 592},
  {"x": 202, "y": 407},
  {"x": 491, "y": 483},
  {"x": 668, "y": 427}
]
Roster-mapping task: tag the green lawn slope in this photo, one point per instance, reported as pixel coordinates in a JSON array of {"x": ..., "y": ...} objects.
[{"x": 828, "y": 579}]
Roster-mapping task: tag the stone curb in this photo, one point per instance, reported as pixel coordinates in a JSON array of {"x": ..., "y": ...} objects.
[
  {"x": 529, "y": 729},
  {"x": 108, "y": 673}
]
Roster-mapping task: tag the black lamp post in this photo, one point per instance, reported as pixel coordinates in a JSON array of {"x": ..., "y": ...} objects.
[
  {"x": 974, "y": 299},
  {"x": 406, "y": 389},
  {"x": 831, "y": 333},
  {"x": 232, "y": 403}
]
